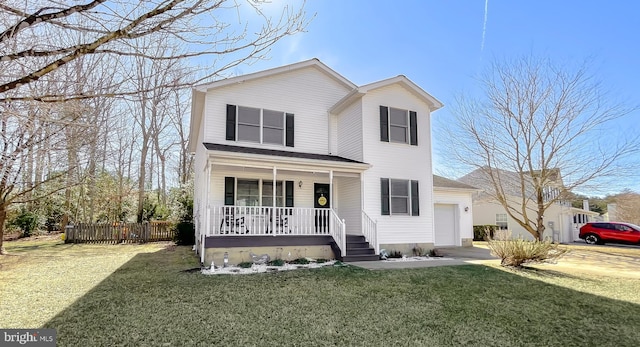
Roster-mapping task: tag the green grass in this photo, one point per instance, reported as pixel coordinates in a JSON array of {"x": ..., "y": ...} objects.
[{"x": 140, "y": 296}]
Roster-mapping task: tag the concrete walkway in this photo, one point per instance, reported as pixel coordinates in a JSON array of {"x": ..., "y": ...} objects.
[{"x": 450, "y": 256}]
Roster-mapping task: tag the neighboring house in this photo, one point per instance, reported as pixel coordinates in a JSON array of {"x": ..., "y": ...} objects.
[
  {"x": 562, "y": 221},
  {"x": 298, "y": 161}
]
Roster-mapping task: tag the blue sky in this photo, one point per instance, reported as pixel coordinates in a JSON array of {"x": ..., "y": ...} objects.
[{"x": 441, "y": 45}]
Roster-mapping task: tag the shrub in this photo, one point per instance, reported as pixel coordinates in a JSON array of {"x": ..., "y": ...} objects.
[
  {"x": 245, "y": 265},
  {"x": 482, "y": 232},
  {"x": 27, "y": 221},
  {"x": 276, "y": 262},
  {"x": 394, "y": 254},
  {"x": 418, "y": 251},
  {"x": 434, "y": 253},
  {"x": 516, "y": 252},
  {"x": 185, "y": 234},
  {"x": 300, "y": 261}
]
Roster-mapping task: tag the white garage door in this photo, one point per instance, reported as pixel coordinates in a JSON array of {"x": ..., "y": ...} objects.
[{"x": 445, "y": 224}]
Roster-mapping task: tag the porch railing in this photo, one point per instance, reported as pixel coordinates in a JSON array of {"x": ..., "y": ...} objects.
[
  {"x": 370, "y": 231},
  {"x": 275, "y": 221},
  {"x": 256, "y": 220},
  {"x": 338, "y": 230}
]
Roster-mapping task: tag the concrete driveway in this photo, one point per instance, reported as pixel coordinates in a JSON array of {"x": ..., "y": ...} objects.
[{"x": 600, "y": 260}]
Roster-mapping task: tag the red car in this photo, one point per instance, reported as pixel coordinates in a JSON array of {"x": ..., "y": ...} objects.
[{"x": 601, "y": 232}]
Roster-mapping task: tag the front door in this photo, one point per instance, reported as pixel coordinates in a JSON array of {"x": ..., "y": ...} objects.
[{"x": 321, "y": 193}]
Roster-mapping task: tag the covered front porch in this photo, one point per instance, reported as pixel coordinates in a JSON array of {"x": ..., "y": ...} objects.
[{"x": 255, "y": 201}]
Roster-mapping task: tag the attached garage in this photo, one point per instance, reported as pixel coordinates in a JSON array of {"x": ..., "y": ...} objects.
[
  {"x": 446, "y": 231},
  {"x": 452, "y": 212}
]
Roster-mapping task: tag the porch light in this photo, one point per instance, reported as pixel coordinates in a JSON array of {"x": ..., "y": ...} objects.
[
  {"x": 299, "y": 184},
  {"x": 466, "y": 209}
]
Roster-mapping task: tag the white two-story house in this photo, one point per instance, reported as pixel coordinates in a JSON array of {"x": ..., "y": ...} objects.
[{"x": 297, "y": 161}]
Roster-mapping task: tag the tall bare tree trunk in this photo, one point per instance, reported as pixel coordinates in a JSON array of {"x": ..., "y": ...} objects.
[{"x": 3, "y": 217}]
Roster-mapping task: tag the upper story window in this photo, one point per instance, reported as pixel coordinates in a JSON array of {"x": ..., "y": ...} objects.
[
  {"x": 249, "y": 124},
  {"x": 398, "y": 125},
  {"x": 259, "y": 126}
]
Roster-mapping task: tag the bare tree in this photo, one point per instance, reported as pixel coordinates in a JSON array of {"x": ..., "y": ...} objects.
[
  {"x": 179, "y": 120},
  {"x": 23, "y": 128},
  {"x": 203, "y": 30},
  {"x": 536, "y": 132},
  {"x": 54, "y": 56},
  {"x": 627, "y": 206}
]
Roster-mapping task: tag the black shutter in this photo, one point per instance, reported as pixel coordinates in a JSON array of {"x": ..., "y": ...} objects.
[
  {"x": 289, "y": 129},
  {"x": 413, "y": 128},
  {"x": 229, "y": 190},
  {"x": 288, "y": 200},
  {"x": 415, "y": 199},
  {"x": 384, "y": 192},
  {"x": 384, "y": 123},
  {"x": 231, "y": 122}
]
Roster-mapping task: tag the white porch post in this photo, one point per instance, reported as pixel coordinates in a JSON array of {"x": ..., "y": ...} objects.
[
  {"x": 208, "y": 199},
  {"x": 273, "y": 202},
  {"x": 331, "y": 189},
  {"x": 207, "y": 222},
  {"x": 330, "y": 202}
]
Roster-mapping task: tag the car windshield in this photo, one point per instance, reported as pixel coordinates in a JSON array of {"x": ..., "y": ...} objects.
[{"x": 634, "y": 226}]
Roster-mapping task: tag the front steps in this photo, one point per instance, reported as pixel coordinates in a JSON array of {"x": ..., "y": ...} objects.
[{"x": 358, "y": 249}]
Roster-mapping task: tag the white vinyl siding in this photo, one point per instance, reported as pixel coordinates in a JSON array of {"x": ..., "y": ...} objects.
[
  {"x": 302, "y": 196},
  {"x": 350, "y": 132},
  {"x": 307, "y": 93},
  {"x": 397, "y": 161},
  {"x": 347, "y": 203}
]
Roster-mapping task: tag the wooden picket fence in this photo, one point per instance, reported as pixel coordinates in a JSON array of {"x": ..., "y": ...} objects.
[{"x": 119, "y": 232}]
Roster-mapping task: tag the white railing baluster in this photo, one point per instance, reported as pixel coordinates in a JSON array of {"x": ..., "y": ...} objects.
[{"x": 370, "y": 231}]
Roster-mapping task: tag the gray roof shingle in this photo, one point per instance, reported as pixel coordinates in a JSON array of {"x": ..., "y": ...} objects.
[
  {"x": 441, "y": 182},
  {"x": 278, "y": 153}
]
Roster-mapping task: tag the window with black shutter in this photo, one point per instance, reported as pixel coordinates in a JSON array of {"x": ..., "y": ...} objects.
[
  {"x": 259, "y": 125},
  {"x": 399, "y": 197},
  {"x": 398, "y": 125}
]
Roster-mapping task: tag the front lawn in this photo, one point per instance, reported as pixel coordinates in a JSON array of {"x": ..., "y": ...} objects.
[{"x": 97, "y": 295}]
